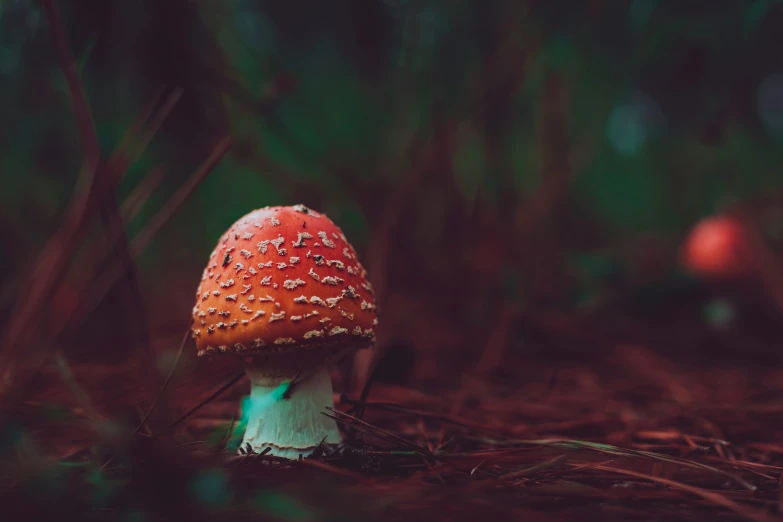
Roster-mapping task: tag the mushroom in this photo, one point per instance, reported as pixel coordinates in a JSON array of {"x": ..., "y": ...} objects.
[
  {"x": 718, "y": 247},
  {"x": 299, "y": 303}
]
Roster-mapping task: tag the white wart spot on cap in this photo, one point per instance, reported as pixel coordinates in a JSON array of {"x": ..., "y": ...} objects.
[
  {"x": 304, "y": 210},
  {"x": 278, "y": 242},
  {"x": 337, "y": 263},
  {"x": 332, "y": 301},
  {"x": 350, "y": 293},
  {"x": 277, "y": 317},
  {"x": 284, "y": 340},
  {"x": 291, "y": 284},
  {"x": 337, "y": 330},
  {"x": 300, "y": 239},
  {"x": 328, "y": 243},
  {"x": 313, "y": 333}
]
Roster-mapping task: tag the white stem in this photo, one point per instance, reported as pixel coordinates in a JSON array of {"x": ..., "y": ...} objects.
[{"x": 291, "y": 426}]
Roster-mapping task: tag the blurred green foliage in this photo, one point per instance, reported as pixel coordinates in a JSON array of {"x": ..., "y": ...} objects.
[
  {"x": 643, "y": 116},
  {"x": 644, "y": 80}
]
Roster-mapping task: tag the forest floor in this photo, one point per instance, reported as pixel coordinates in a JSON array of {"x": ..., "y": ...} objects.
[{"x": 628, "y": 435}]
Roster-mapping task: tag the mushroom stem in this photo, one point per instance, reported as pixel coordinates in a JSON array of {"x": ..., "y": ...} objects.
[{"x": 294, "y": 425}]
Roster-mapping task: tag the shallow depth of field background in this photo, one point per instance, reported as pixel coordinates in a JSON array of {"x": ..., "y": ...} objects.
[{"x": 518, "y": 178}]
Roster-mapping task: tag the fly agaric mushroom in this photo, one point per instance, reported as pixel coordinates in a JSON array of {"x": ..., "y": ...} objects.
[
  {"x": 284, "y": 291},
  {"x": 718, "y": 247}
]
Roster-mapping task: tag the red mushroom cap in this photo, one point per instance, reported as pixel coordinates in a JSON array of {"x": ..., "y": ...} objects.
[
  {"x": 280, "y": 279},
  {"x": 717, "y": 247}
]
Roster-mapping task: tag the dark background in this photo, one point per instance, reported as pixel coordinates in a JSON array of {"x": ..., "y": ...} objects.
[{"x": 518, "y": 178}]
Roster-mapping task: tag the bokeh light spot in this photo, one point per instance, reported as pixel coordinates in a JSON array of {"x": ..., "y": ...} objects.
[
  {"x": 720, "y": 314},
  {"x": 253, "y": 406},
  {"x": 770, "y": 103},
  {"x": 633, "y": 122},
  {"x": 211, "y": 488},
  {"x": 254, "y": 28},
  {"x": 639, "y": 12}
]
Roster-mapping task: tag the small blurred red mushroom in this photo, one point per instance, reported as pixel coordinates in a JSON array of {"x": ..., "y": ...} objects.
[{"x": 717, "y": 247}]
